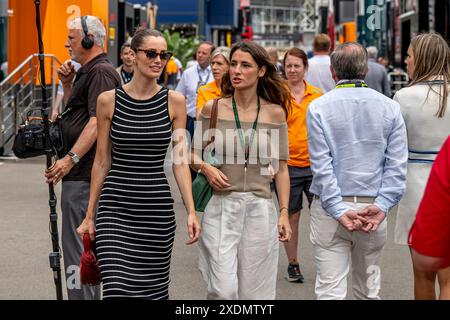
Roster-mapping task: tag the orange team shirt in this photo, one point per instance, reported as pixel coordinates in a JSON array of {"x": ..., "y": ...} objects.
[
  {"x": 298, "y": 137},
  {"x": 207, "y": 92}
]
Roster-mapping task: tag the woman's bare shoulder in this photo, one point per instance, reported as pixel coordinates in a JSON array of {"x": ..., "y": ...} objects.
[
  {"x": 207, "y": 109},
  {"x": 107, "y": 97},
  {"x": 176, "y": 97},
  {"x": 276, "y": 113},
  {"x": 105, "y": 104}
]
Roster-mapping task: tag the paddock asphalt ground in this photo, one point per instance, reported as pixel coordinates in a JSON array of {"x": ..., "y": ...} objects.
[{"x": 25, "y": 244}]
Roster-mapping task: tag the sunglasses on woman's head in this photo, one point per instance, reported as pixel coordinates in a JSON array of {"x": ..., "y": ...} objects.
[{"x": 152, "y": 54}]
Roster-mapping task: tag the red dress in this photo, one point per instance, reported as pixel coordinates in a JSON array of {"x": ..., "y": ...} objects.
[{"x": 430, "y": 233}]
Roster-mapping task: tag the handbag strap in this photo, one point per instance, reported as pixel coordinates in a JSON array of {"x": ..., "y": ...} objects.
[{"x": 213, "y": 121}]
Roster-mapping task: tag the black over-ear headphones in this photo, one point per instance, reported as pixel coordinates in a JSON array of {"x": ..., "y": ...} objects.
[{"x": 87, "y": 42}]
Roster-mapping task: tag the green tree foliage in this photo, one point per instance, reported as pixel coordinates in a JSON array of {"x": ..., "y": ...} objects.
[{"x": 182, "y": 48}]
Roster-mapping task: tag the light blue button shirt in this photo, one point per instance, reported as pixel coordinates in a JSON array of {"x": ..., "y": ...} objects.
[
  {"x": 358, "y": 147},
  {"x": 191, "y": 80}
]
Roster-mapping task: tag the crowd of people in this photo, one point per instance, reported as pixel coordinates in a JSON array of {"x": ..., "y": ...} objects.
[{"x": 325, "y": 128}]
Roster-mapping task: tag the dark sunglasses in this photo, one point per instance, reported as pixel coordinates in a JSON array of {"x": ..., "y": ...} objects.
[{"x": 152, "y": 54}]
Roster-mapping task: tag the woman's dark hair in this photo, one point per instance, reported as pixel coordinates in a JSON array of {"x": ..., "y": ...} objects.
[
  {"x": 124, "y": 46},
  {"x": 140, "y": 35},
  {"x": 271, "y": 86},
  {"x": 296, "y": 52}
]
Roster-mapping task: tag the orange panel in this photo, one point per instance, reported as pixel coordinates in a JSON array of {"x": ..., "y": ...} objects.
[
  {"x": 341, "y": 38},
  {"x": 59, "y": 13},
  {"x": 55, "y": 15},
  {"x": 350, "y": 31},
  {"x": 22, "y": 33}
]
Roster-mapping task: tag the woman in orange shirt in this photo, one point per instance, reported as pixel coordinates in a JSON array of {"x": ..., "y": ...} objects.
[
  {"x": 220, "y": 64},
  {"x": 295, "y": 65}
]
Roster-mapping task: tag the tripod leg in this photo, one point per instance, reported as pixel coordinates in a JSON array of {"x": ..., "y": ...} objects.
[{"x": 55, "y": 256}]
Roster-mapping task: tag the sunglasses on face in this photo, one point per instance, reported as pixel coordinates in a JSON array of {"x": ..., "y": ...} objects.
[{"x": 152, "y": 54}]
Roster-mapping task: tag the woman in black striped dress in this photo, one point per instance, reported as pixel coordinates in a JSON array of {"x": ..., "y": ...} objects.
[{"x": 135, "y": 223}]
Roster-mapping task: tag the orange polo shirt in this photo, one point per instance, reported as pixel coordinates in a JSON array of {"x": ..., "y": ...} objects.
[
  {"x": 207, "y": 92},
  {"x": 298, "y": 137}
]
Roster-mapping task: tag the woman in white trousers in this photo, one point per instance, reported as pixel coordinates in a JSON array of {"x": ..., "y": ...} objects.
[
  {"x": 239, "y": 244},
  {"x": 423, "y": 104}
]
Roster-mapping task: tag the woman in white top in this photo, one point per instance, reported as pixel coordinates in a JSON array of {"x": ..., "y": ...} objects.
[{"x": 423, "y": 104}]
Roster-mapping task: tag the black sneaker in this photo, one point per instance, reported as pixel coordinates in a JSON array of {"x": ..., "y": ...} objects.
[{"x": 294, "y": 274}]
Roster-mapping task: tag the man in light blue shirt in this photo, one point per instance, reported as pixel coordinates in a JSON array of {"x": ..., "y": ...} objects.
[
  {"x": 192, "y": 79},
  {"x": 358, "y": 151}
]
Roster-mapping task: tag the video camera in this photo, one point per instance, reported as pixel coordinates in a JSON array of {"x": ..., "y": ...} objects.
[{"x": 30, "y": 139}]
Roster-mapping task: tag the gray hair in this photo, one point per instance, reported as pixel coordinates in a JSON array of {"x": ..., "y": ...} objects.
[
  {"x": 349, "y": 61},
  {"x": 372, "y": 52},
  {"x": 223, "y": 51},
  {"x": 94, "y": 26}
]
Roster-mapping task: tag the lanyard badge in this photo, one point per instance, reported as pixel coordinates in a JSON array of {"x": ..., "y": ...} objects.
[
  {"x": 241, "y": 135},
  {"x": 351, "y": 84},
  {"x": 201, "y": 82}
]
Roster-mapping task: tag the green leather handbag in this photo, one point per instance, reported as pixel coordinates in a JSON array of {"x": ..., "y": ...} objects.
[
  {"x": 202, "y": 192},
  {"x": 201, "y": 189}
]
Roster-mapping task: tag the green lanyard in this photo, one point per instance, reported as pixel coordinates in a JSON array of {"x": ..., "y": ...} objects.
[
  {"x": 241, "y": 135},
  {"x": 359, "y": 84}
]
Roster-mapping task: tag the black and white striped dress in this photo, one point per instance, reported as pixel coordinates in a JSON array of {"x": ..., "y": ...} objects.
[{"x": 135, "y": 220}]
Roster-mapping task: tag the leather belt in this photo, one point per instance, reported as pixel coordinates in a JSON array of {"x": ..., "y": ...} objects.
[{"x": 355, "y": 199}]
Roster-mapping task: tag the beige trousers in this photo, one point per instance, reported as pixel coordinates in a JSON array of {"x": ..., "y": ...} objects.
[
  {"x": 238, "y": 247},
  {"x": 336, "y": 249}
]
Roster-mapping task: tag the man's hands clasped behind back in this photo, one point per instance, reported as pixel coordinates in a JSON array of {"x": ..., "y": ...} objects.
[{"x": 366, "y": 220}]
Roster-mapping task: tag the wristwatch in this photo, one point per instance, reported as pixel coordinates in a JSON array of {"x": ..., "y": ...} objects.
[{"x": 75, "y": 158}]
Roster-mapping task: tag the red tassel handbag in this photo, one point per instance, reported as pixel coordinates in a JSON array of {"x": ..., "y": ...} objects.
[{"x": 89, "y": 268}]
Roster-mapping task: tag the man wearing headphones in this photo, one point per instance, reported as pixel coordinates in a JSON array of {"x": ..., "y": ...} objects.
[{"x": 85, "y": 42}]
